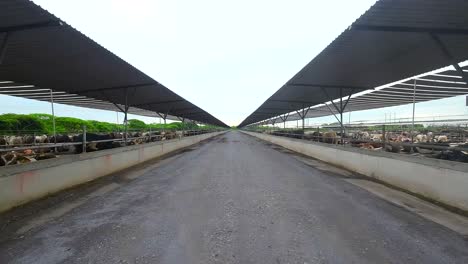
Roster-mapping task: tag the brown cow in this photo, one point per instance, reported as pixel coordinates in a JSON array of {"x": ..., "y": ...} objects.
[{"x": 330, "y": 137}]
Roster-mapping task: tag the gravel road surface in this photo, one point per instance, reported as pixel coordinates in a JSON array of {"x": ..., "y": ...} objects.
[{"x": 232, "y": 199}]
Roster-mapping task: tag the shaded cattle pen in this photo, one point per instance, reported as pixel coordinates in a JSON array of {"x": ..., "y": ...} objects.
[
  {"x": 396, "y": 53},
  {"x": 22, "y": 183},
  {"x": 45, "y": 59},
  {"x": 448, "y": 143},
  {"x": 84, "y": 142},
  {"x": 36, "y": 47}
]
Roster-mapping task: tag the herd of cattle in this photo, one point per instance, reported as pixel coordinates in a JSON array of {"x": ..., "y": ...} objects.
[
  {"x": 442, "y": 146},
  {"x": 32, "y": 148}
]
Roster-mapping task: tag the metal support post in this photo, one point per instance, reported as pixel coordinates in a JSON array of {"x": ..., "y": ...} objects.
[
  {"x": 339, "y": 109},
  {"x": 337, "y": 119},
  {"x": 284, "y": 118},
  {"x": 3, "y": 47},
  {"x": 53, "y": 118},
  {"x": 125, "y": 128},
  {"x": 414, "y": 108},
  {"x": 302, "y": 116},
  {"x": 183, "y": 126},
  {"x": 118, "y": 124},
  {"x": 150, "y": 133},
  {"x": 126, "y": 117},
  {"x": 163, "y": 117},
  {"x": 125, "y": 111},
  {"x": 341, "y": 116},
  {"x": 84, "y": 139},
  {"x": 303, "y": 125},
  {"x": 384, "y": 137}
]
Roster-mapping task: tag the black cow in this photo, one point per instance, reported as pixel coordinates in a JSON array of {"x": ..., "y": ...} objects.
[
  {"x": 94, "y": 146},
  {"x": 60, "y": 139}
]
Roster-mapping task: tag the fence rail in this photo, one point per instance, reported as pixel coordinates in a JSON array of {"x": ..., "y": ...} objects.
[
  {"x": 150, "y": 137},
  {"x": 349, "y": 142}
]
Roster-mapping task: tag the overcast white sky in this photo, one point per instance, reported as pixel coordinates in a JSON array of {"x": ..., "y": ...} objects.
[{"x": 225, "y": 56}]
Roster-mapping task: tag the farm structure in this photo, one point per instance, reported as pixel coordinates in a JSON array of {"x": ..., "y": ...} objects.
[
  {"x": 257, "y": 193},
  {"x": 45, "y": 39},
  {"x": 31, "y": 148},
  {"x": 379, "y": 61}
]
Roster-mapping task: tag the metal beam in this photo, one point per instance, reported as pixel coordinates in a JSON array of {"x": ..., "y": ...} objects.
[
  {"x": 347, "y": 101},
  {"x": 183, "y": 109},
  {"x": 303, "y": 115},
  {"x": 330, "y": 86},
  {"x": 288, "y": 101},
  {"x": 120, "y": 108},
  {"x": 116, "y": 87},
  {"x": 331, "y": 100},
  {"x": 449, "y": 57},
  {"x": 263, "y": 113},
  {"x": 299, "y": 113},
  {"x": 44, "y": 24},
  {"x": 190, "y": 113},
  {"x": 160, "y": 115},
  {"x": 333, "y": 114},
  {"x": 3, "y": 47},
  {"x": 159, "y": 103},
  {"x": 284, "y": 117},
  {"x": 281, "y": 109},
  {"x": 454, "y": 31}
]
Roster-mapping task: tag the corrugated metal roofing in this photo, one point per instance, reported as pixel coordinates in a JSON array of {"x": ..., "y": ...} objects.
[
  {"x": 399, "y": 93},
  {"x": 393, "y": 40},
  {"x": 40, "y": 50}
]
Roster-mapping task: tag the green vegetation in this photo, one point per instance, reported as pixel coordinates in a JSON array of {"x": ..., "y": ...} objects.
[
  {"x": 335, "y": 126},
  {"x": 12, "y": 124}
]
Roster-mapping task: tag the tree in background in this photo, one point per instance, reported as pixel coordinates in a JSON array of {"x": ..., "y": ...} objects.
[
  {"x": 135, "y": 124},
  {"x": 17, "y": 124},
  {"x": 12, "y": 124}
]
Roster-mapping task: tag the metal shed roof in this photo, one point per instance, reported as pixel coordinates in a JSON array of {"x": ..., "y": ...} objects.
[
  {"x": 393, "y": 40},
  {"x": 40, "y": 51},
  {"x": 432, "y": 86}
]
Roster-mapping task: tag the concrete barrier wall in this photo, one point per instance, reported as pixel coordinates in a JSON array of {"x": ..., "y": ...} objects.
[
  {"x": 439, "y": 180},
  {"x": 22, "y": 183}
]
